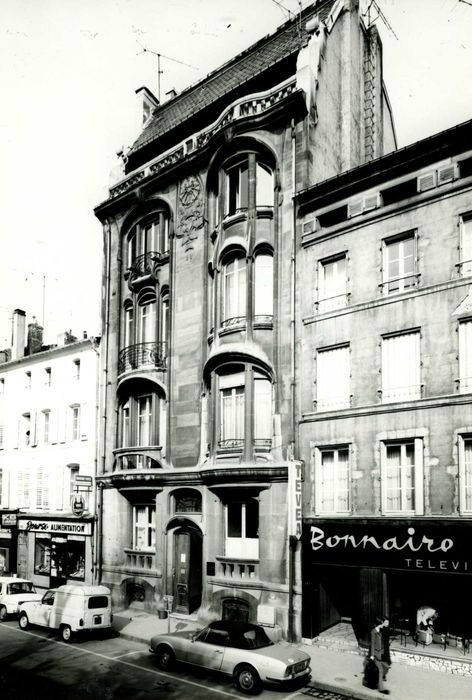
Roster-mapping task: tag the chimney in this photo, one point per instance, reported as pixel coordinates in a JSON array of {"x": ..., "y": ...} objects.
[
  {"x": 146, "y": 103},
  {"x": 18, "y": 337},
  {"x": 35, "y": 337},
  {"x": 171, "y": 94},
  {"x": 84, "y": 334}
]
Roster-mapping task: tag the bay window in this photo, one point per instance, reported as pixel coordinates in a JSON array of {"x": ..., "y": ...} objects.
[
  {"x": 234, "y": 289},
  {"x": 242, "y": 529}
]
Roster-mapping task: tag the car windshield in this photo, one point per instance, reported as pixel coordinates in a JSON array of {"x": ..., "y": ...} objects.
[{"x": 21, "y": 587}]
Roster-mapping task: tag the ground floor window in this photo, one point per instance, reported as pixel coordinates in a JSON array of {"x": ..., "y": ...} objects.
[
  {"x": 242, "y": 529},
  {"x": 144, "y": 527},
  {"x": 3, "y": 560},
  {"x": 60, "y": 556}
]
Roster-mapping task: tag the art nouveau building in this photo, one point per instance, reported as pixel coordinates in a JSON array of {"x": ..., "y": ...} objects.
[
  {"x": 48, "y": 408},
  {"x": 386, "y": 416},
  {"x": 198, "y": 381}
]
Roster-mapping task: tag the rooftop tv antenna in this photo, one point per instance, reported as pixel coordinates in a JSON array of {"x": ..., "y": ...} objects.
[
  {"x": 159, "y": 71},
  {"x": 380, "y": 14}
]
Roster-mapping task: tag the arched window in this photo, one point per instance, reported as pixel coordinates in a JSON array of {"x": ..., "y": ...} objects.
[
  {"x": 141, "y": 424},
  {"x": 264, "y": 284},
  {"x": 187, "y": 501},
  {"x": 234, "y": 288}
]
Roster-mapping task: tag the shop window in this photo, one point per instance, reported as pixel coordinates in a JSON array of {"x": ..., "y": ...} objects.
[
  {"x": 42, "y": 555},
  {"x": 144, "y": 528},
  {"x": 402, "y": 476},
  {"x": 4, "y": 561},
  {"x": 332, "y": 283},
  {"x": 333, "y": 378},
  {"x": 264, "y": 285},
  {"x": 465, "y": 356},
  {"x": 465, "y": 263},
  {"x": 401, "y": 379},
  {"x": 465, "y": 473},
  {"x": 332, "y": 480},
  {"x": 76, "y": 558},
  {"x": 399, "y": 264},
  {"x": 242, "y": 529}
]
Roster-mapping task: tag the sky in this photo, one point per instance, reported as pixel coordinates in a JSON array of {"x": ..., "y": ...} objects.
[{"x": 68, "y": 74}]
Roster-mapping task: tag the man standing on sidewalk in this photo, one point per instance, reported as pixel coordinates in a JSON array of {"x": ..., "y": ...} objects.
[{"x": 380, "y": 651}]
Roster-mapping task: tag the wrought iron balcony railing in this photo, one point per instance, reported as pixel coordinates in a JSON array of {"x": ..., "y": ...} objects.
[
  {"x": 145, "y": 265},
  {"x": 142, "y": 355}
]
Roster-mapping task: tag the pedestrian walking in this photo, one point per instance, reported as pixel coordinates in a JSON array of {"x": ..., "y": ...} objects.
[{"x": 380, "y": 651}]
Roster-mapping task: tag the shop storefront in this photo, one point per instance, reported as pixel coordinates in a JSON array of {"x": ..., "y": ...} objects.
[
  {"x": 357, "y": 569},
  {"x": 52, "y": 552},
  {"x": 8, "y": 541}
]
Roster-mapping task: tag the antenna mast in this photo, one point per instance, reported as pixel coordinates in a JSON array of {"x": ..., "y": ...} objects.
[
  {"x": 159, "y": 71},
  {"x": 379, "y": 14}
]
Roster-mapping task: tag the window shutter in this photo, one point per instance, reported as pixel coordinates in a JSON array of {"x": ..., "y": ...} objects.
[
  {"x": 354, "y": 208},
  {"x": 426, "y": 181},
  {"x": 419, "y": 495},
  {"x": 447, "y": 173},
  {"x": 318, "y": 487},
  {"x": 383, "y": 477},
  {"x": 84, "y": 417},
  {"x": 465, "y": 356}
]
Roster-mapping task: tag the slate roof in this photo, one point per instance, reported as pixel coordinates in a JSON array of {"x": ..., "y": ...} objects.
[{"x": 256, "y": 59}]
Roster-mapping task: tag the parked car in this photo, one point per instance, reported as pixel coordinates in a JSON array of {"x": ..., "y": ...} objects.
[
  {"x": 71, "y": 608},
  {"x": 13, "y": 592},
  {"x": 238, "y": 649}
]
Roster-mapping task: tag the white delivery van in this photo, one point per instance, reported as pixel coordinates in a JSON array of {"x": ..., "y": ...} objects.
[
  {"x": 13, "y": 592},
  {"x": 69, "y": 609}
]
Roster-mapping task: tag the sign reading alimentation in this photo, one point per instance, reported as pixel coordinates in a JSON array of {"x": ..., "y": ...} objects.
[
  {"x": 411, "y": 545},
  {"x": 56, "y": 527}
]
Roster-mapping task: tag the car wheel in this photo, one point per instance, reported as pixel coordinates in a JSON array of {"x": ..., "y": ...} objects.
[
  {"x": 23, "y": 621},
  {"x": 66, "y": 633},
  {"x": 165, "y": 657},
  {"x": 247, "y": 680},
  {"x": 3, "y": 613}
]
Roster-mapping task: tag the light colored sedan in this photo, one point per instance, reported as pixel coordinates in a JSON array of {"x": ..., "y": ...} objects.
[
  {"x": 238, "y": 649},
  {"x": 13, "y": 592}
]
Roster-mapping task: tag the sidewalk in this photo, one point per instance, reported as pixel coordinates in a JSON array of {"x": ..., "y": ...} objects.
[{"x": 333, "y": 671}]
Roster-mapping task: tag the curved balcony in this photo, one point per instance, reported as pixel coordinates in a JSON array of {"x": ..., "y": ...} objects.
[
  {"x": 137, "y": 458},
  {"x": 151, "y": 355},
  {"x": 144, "y": 267}
]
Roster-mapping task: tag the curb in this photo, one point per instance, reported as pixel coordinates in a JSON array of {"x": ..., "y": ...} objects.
[{"x": 346, "y": 691}]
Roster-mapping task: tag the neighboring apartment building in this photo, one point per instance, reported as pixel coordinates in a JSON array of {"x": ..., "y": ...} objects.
[
  {"x": 48, "y": 403},
  {"x": 197, "y": 383},
  {"x": 385, "y": 316}
]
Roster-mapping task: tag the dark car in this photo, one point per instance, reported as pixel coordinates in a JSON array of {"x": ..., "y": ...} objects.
[{"x": 238, "y": 649}]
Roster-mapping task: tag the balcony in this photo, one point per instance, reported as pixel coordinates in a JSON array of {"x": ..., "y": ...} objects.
[
  {"x": 145, "y": 266},
  {"x": 143, "y": 355},
  {"x": 140, "y": 561},
  {"x": 137, "y": 458},
  {"x": 233, "y": 569}
]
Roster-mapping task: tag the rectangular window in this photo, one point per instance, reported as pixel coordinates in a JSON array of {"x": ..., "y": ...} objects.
[
  {"x": 466, "y": 244},
  {"x": 401, "y": 370},
  {"x": 332, "y": 480},
  {"x": 75, "y": 422},
  {"x": 465, "y": 356},
  {"x": 332, "y": 276},
  {"x": 402, "y": 476},
  {"x": 399, "y": 265},
  {"x": 232, "y": 411},
  {"x": 76, "y": 557},
  {"x": 145, "y": 421},
  {"x": 465, "y": 473},
  {"x": 333, "y": 379},
  {"x": 28, "y": 380},
  {"x": 23, "y": 487},
  {"x": 242, "y": 529},
  {"x": 47, "y": 376},
  {"x": 262, "y": 411},
  {"x": 144, "y": 529},
  {"x": 237, "y": 189},
  {"x": 76, "y": 369},
  {"x": 25, "y": 429},
  {"x": 2, "y": 387},
  {"x": 1, "y": 486}
]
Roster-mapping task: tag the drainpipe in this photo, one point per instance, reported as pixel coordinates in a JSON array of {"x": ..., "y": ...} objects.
[
  {"x": 104, "y": 397},
  {"x": 293, "y": 441}
]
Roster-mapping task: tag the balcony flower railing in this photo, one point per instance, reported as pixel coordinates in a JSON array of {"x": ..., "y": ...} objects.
[
  {"x": 231, "y": 444},
  {"x": 142, "y": 561},
  {"x": 142, "y": 355},
  {"x": 237, "y": 569},
  {"x": 234, "y": 322},
  {"x": 143, "y": 265}
]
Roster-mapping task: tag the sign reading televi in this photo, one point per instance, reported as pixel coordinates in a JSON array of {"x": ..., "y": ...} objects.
[{"x": 442, "y": 546}]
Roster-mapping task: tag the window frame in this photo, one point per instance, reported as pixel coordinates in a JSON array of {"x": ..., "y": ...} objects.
[
  {"x": 465, "y": 264},
  {"x": 391, "y": 392},
  {"x": 149, "y": 527},
  {"x": 340, "y": 299},
  {"x": 465, "y": 355},
  {"x": 324, "y": 399},
  {"x": 243, "y": 547},
  {"x": 417, "y": 487},
  {"x": 75, "y": 422},
  {"x": 465, "y": 474},
  {"x": 320, "y": 498},
  {"x": 387, "y": 244}
]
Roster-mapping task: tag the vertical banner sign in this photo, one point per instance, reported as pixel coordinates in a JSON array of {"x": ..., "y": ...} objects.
[{"x": 294, "y": 495}]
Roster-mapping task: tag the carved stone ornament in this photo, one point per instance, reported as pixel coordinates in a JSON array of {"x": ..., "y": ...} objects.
[{"x": 190, "y": 211}]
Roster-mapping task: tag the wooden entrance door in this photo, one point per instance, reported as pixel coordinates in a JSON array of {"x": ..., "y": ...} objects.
[{"x": 188, "y": 570}]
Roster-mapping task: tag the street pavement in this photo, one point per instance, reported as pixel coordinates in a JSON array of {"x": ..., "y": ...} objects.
[{"x": 332, "y": 671}]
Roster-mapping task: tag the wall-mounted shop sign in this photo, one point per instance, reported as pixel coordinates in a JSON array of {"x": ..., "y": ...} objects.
[
  {"x": 294, "y": 495},
  {"x": 56, "y": 527},
  {"x": 9, "y": 519},
  {"x": 441, "y": 546}
]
